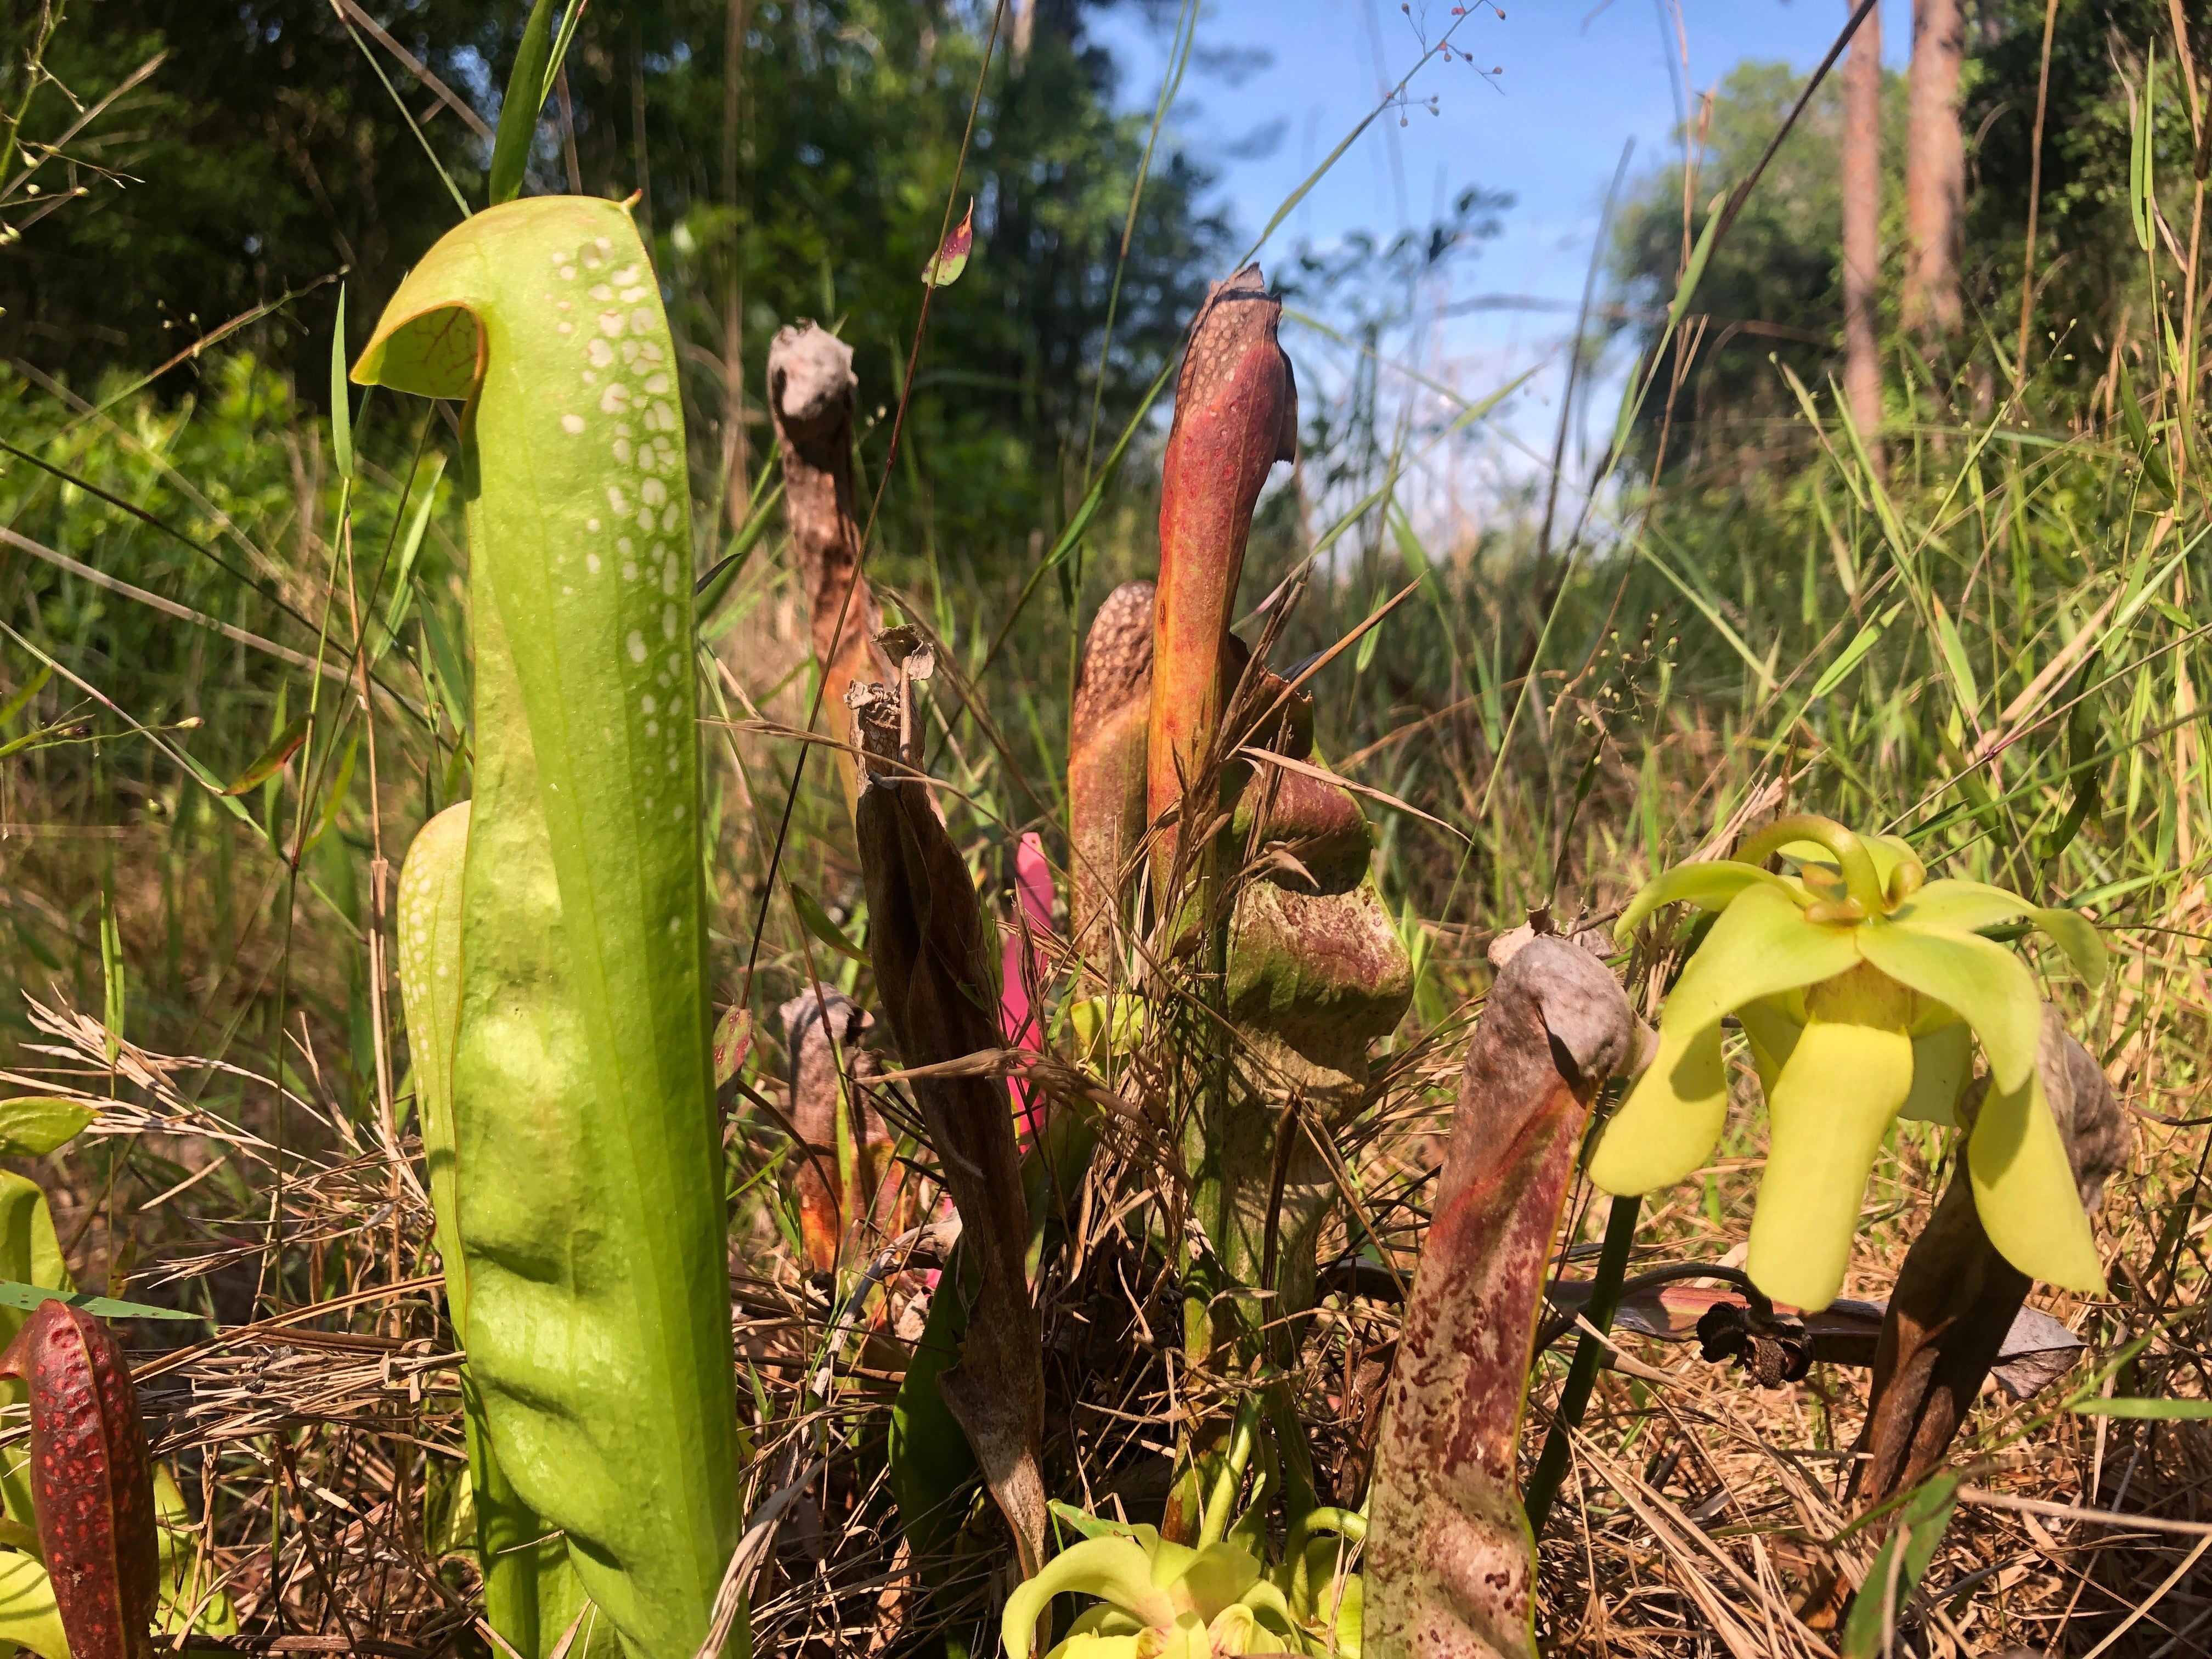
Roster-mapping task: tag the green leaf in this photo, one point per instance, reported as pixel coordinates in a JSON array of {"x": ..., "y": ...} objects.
[
  {"x": 340, "y": 402},
  {"x": 717, "y": 582},
  {"x": 1990, "y": 988},
  {"x": 951, "y": 256},
  {"x": 410, "y": 546},
  {"x": 1954, "y": 658},
  {"x": 114, "y": 977},
  {"x": 817, "y": 921},
  {"x": 2158, "y": 1411},
  {"x": 1854, "y": 653},
  {"x": 31, "y": 1126},
  {"x": 271, "y": 761},
  {"x": 28, "y": 1617},
  {"x": 519, "y": 111},
  {"x": 31, "y": 688},
  {"x": 589, "y": 1167},
  {"x": 334, "y": 799},
  {"x": 28, "y": 1297},
  {"x": 1916, "y": 1530}
]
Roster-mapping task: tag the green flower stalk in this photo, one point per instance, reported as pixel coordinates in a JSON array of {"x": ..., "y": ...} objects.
[{"x": 1862, "y": 987}]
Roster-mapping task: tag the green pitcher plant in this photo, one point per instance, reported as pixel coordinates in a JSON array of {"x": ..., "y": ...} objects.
[
  {"x": 561, "y": 991},
  {"x": 1862, "y": 987}
]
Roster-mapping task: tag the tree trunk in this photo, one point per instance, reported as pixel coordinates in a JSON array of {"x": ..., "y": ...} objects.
[
  {"x": 1935, "y": 173},
  {"x": 1862, "y": 230}
]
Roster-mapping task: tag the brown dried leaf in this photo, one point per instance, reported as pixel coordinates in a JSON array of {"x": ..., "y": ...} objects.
[
  {"x": 1450, "y": 1563},
  {"x": 926, "y": 936}
]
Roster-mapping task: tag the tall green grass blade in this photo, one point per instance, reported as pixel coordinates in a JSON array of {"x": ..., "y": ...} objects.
[{"x": 525, "y": 99}]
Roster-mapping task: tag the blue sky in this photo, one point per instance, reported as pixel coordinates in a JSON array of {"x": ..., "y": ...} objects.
[{"x": 1579, "y": 79}]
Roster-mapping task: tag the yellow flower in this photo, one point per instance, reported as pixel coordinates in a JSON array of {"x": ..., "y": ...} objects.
[
  {"x": 1861, "y": 986},
  {"x": 1158, "y": 1601}
]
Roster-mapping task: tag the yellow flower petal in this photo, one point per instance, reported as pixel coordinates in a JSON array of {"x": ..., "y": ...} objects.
[
  {"x": 1116, "y": 1569},
  {"x": 1941, "y": 1062},
  {"x": 1990, "y": 987},
  {"x": 1772, "y": 1034},
  {"x": 1671, "y": 1118},
  {"x": 1709, "y": 886},
  {"x": 1827, "y": 1117},
  {"x": 1761, "y": 946},
  {"x": 1967, "y": 907},
  {"x": 2024, "y": 1190}
]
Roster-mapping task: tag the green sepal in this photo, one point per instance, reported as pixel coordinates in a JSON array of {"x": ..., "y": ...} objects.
[
  {"x": 1708, "y": 886},
  {"x": 1967, "y": 907}
]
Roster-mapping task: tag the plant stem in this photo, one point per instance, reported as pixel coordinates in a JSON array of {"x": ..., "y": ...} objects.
[{"x": 1574, "y": 1398}]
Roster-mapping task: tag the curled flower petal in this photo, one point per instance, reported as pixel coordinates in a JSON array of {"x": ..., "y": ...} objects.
[
  {"x": 1827, "y": 1115},
  {"x": 1987, "y": 985},
  {"x": 1761, "y": 946},
  {"x": 1708, "y": 886},
  {"x": 2025, "y": 1192},
  {"x": 1116, "y": 1569},
  {"x": 1671, "y": 1119},
  {"x": 1853, "y": 858}
]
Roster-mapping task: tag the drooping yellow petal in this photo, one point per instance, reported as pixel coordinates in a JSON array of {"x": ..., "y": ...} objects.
[
  {"x": 1772, "y": 1034},
  {"x": 1991, "y": 989},
  {"x": 2024, "y": 1190},
  {"x": 1761, "y": 946},
  {"x": 1826, "y": 1116},
  {"x": 1672, "y": 1118},
  {"x": 1941, "y": 1062}
]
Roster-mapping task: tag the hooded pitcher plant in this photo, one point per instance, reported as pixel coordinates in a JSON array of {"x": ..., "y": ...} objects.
[
  {"x": 586, "y": 1198},
  {"x": 1862, "y": 989}
]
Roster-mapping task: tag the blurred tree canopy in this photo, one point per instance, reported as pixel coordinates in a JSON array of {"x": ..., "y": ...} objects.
[
  {"x": 795, "y": 157},
  {"x": 1774, "y": 288}
]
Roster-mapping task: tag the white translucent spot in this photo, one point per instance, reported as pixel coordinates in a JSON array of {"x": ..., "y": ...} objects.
[
  {"x": 618, "y": 501},
  {"x": 624, "y": 545},
  {"x": 603, "y": 244},
  {"x": 602, "y": 292},
  {"x": 641, "y": 320},
  {"x": 560, "y": 258},
  {"x": 670, "y": 520},
  {"x": 622, "y": 451},
  {"x": 630, "y": 296},
  {"x": 591, "y": 562},
  {"x": 591, "y": 524},
  {"x": 629, "y": 570},
  {"x": 622, "y": 429},
  {"x": 674, "y": 662},
  {"x": 610, "y": 324},
  {"x": 567, "y": 273},
  {"x": 645, "y": 517},
  {"x": 627, "y": 274},
  {"x": 648, "y": 351},
  {"x": 668, "y": 621},
  {"x": 572, "y": 424},
  {"x": 646, "y": 706},
  {"x": 652, "y": 493},
  {"x": 567, "y": 591},
  {"x": 631, "y": 350},
  {"x": 636, "y": 646},
  {"x": 598, "y": 353},
  {"x": 590, "y": 379},
  {"x": 665, "y": 417},
  {"x": 615, "y": 398},
  {"x": 653, "y": 728},
  {"x": 657, "y": 385},
  {"x": 671, "y": 767},
  {"x": 567, "y": 328}
]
